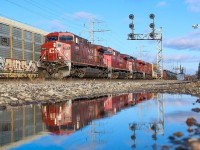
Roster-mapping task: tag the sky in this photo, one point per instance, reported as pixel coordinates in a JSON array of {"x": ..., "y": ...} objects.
[{"x": 181, "y": 42}]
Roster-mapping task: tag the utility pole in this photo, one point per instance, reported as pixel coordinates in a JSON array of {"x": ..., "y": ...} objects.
[
  {"x": 154, "y": 35},
  {"x": 92, "y": 30},
  {"x": 140, "y": 51},
  {"x": 195, "y": 26}
]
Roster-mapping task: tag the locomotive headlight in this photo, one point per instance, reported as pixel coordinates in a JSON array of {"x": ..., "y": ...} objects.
[
  {"x": 44, "y": 58},
  {"x": 59, "y": 57},
  {"x": 54, "y": 44}
]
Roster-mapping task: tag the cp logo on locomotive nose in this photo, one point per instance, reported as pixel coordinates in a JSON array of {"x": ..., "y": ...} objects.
[{"x": 51, "y": 50}]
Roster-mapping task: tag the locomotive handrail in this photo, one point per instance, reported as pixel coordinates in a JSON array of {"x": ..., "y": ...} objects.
[{"x": 42, "y": 56}]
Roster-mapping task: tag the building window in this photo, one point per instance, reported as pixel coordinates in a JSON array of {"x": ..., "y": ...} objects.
[{"x": 5, "y": 41}]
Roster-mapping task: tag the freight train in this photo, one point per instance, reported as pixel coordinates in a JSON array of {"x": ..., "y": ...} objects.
[
  {"x": 69, "y": 116},
  {"x": 65, "y": 54}
]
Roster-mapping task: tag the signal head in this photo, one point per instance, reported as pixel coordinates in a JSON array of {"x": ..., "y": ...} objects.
[
  {"x": 131, "y": 16},
  {"x": 151, "y": 35},
  {"x": 131, "y": 35},
  {"x": 152, "y": 16},
  {"x": 131, "y": 25},
  {"x": 152, "y": 25}
]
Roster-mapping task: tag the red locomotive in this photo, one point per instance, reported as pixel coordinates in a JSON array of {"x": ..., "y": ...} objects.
[{"x": 65, "y": 54}]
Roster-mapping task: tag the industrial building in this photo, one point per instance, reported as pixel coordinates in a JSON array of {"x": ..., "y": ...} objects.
[{"x": 19, "y": 48}]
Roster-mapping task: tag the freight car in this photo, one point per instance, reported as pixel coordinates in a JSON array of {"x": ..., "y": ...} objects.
[
  {"x": 19, "y": 48},
  {"x": 66, "y": 54},
  {"x": 169, "y": 75}
]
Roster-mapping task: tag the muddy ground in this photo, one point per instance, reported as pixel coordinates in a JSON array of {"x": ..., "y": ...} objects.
[{"x": 21, "y": 92}]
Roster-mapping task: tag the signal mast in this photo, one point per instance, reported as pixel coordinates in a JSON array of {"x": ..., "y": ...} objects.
[
  {"x": 195, "y": 26},
  {"x": 154, "y": 35}
]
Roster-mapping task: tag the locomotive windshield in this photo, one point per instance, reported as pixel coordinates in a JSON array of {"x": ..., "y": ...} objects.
[
  {"x": 51, "y": 38},
  {"x": 66, "y": 38}
]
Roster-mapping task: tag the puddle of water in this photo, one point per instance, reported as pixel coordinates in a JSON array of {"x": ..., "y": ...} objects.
[{"x": 126, "y": 121}]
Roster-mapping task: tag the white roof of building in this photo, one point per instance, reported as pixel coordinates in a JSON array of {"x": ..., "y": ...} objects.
[{"x": 22, "y": 26}]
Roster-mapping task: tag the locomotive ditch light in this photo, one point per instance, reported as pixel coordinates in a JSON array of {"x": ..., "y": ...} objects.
[
  {"x": 54, "y": 44},
  {"x": 152, "y": 16},
  {"x": 131, "y": 35},
  {"x": 131, "y": 25},
  {"x": 152, "y": 25},
  {"x": 131, "y": 16}
]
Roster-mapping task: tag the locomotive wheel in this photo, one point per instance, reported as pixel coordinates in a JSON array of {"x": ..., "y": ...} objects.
[
  {"x": 42, "y": 73},
  {"x": 59, "y": 75},
  {"x": 134, "y": 76},
  {"x": 80, "y": 73},
  {"x": 115, "y": 75}
]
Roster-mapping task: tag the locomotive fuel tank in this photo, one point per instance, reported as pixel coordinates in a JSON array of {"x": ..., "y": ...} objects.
[{"x": 87, "y": 72}]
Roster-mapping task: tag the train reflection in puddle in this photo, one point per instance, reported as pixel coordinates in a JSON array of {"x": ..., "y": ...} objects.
[
  {"x": 26, "y": 123},
  {"x": 69, "y": 116}
]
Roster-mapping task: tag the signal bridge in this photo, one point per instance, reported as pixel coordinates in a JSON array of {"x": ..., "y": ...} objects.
[{"x": 156, "y": 34}]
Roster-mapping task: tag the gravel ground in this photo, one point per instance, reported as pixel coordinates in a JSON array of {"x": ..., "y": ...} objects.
[{"x": 19, "y": 92}]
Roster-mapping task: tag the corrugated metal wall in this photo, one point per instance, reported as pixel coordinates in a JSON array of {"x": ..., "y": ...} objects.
[
  {"x": 4, "y": 40},
  {"x": 17, "y": 43},
  {"x": 37, "y": 45},
  {"x": 22, "y": 45},
  {"x": 28, "y": 47}
]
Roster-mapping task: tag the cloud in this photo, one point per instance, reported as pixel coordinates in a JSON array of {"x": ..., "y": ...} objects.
[
  {"x": 183, "y": 44},
  {"x": 53, "y": 25},
  {"x": 193, "y": 5},
  {"x": 189, "y": 42},
  {"x": 56, "y": 25},
  {"x": 80, "y": 15},
  {"x": 161, "y": 4},
  {"x": 180, "y": 58}
]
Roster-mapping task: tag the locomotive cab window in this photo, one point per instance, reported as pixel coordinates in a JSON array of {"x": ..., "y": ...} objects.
[
  {"x": 51, "y": 38},
  {"x": 65, "y": 38}
]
